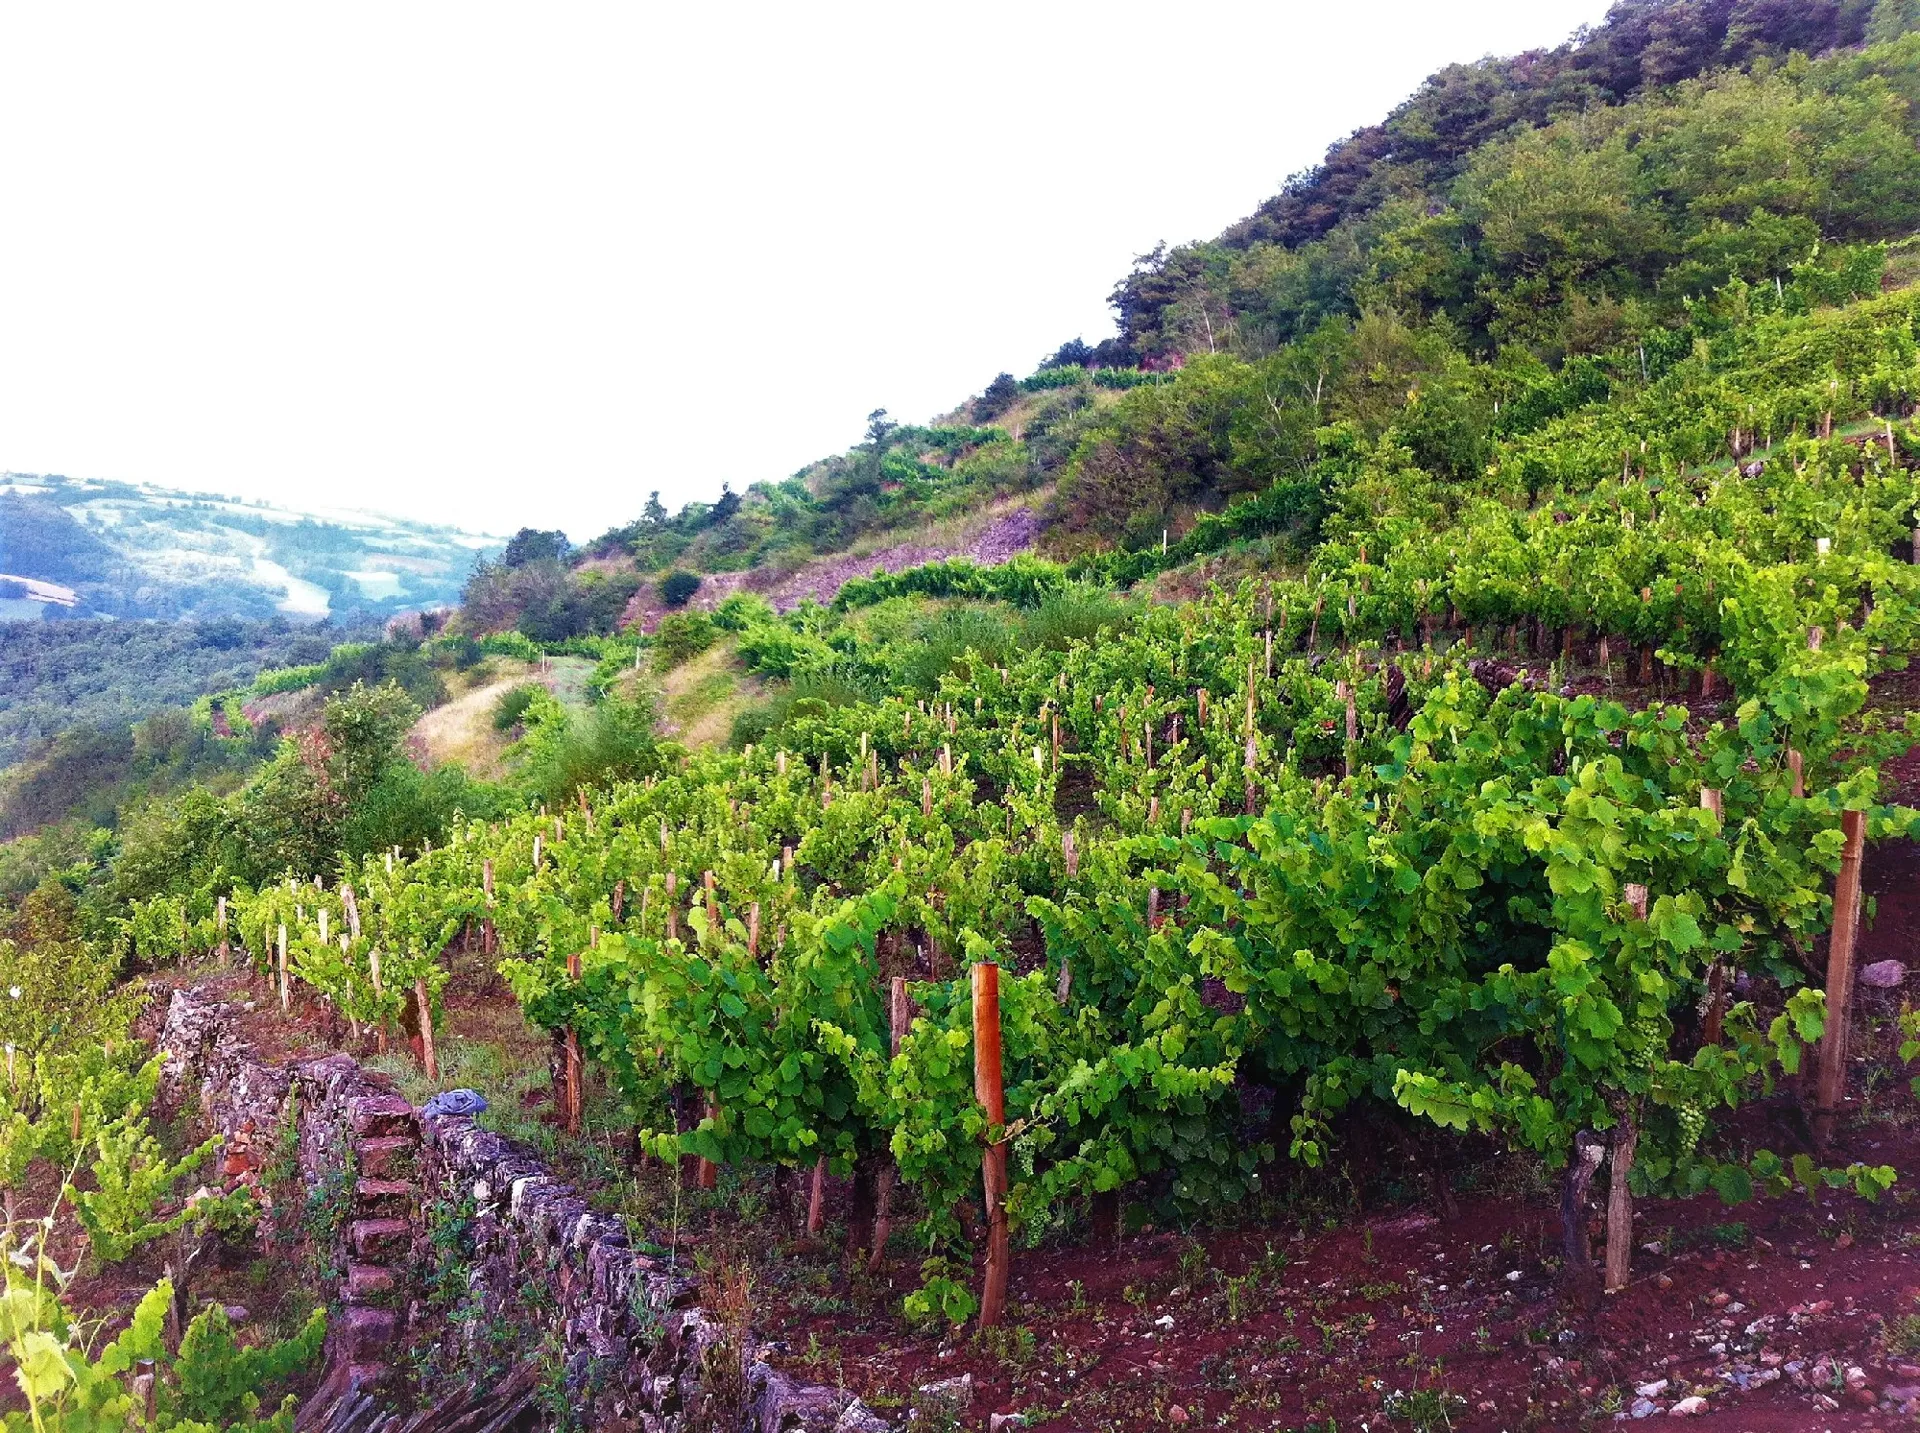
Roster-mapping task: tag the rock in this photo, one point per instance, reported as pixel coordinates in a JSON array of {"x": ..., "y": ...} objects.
[
  {"x": 1688, "y": 1407},
  {"x": 1855, "y": 1376},
  {"x": 1883, "y": 974},
  {"x": 1663, "y": 1281},
  {"x": 1901, "y": 1392},
  {"x": 236, "y": 1313},
  {"x": 1643, "y": 1408},
  {"x": 1165, "y": 1322},
  {"x": 856, "y": 1417},
  {"x": 1177, "y": 1414},
  {"x": 1513, "y": 1276},
  {"x": 1652, "y": 1390},
  {"x": 999, "y": 1421},
  {"x": 1721, "y": 1300}
]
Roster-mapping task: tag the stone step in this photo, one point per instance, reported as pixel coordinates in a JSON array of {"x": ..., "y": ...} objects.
[
  {"x": 366, "y": 1333},
  {"x": 384, "y": 1198},
  {"x": 380, "y": 1241},
  {"x": 369, "y": 1283},
  {"x": 388, "y": 1157},
  {"x": 383, "y": 1116}
]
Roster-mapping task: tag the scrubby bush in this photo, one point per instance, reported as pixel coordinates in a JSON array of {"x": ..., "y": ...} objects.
[
  {"x": 510, "y": 707},
  {"x": 741, "y": 611},
  {"x": 677, "y": 587},
  {"x": 681, "y": 635}
]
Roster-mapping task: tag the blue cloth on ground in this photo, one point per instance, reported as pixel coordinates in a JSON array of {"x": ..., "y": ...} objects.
[{"x": 455, "y": 1102}]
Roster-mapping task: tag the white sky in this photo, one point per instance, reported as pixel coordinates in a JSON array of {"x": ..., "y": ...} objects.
[{"x": 494, "y": 265}]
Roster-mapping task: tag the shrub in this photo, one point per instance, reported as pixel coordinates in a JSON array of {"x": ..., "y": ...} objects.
[
  {"x": 287, "y": 679},
  {"x": 510, "y": 707},
  {"x": 681, "y": 635},
  {"x": 677, "y": 587},
  {"x": 741, "y": 611},
  {"x": 510, "y": 644}
]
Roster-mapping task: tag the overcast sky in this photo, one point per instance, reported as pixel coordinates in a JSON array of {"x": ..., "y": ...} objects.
[{"x": 494, "y": 265}]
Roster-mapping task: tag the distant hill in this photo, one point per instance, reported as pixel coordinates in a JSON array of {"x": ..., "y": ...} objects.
[{"x": 135, "y": 550}]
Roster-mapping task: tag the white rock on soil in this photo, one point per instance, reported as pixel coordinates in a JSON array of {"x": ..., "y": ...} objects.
[
  {"x": 1883, "y": 974},
  {"x": 1688, "y": 1407},
  {"x": 1652, "y": 1390}
]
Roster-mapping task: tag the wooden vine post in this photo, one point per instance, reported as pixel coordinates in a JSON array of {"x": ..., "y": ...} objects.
[
  {"x": 220, "y": 918},
  {"x": 425, "y": 1004},
  {"x": 989, "y": 1090},
  {"x": 1846, "y": 923},
  {"x": 707, "y": 1173},
  {"x": 1625, "y": 1139},
  {"x": 1718, "y": 977},
  {"x": 573, "y": 1056},
  {"x": 899, "y": 1021},
  {"x": 286, "y": 995},
  {"x": 487, "y": 937}
]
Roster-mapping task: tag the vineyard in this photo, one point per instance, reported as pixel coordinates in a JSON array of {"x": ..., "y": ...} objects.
[
  {"x": 1522, "y": 819},
  {"x": 1254, "y": 876},
  {"x": 1370, "y": 922}
]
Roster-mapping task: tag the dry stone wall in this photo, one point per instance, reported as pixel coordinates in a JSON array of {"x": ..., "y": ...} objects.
[{"x": 639, "y": 1353}]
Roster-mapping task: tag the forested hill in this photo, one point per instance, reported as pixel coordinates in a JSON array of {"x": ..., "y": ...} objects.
[
  {"x": 1416, "y": 186},
  {"x": 1521, "y": 239}
]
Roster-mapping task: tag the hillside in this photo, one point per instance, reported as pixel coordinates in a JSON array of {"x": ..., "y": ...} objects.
[
  {"x": 1349, "y": 857},
  {"x": 135, "y": 550}
]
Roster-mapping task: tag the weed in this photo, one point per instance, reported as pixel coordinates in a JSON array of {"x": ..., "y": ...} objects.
[
  {"x": 1078, "y": 1303},
  {"x": 1428, "y": 1410},
  {"x": 1903, "y": 1334},
  {"x": 1008, "y": 1343},
  {"x": 723, "y": 1364},
  {"x": 1193, "y": 1261}
]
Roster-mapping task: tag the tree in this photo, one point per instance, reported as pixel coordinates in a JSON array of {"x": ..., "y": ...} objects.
[
  {"x": 996, "y": 399},
  {"x": 655, "y": 512},
  {"x": 1892, "y": 19},
  {"x": 726, "y": 507},
  {"x": 530, "y": 545},
  {"x": 879, "y": 429}
]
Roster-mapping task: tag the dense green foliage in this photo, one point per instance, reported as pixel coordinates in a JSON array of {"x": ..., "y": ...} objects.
[
  {"x": 1562, "y": 160},
  {"x": 55, "y": 676},
  {"x": 1599, "y": 362},
  {"x": 1202, "y": 874}
]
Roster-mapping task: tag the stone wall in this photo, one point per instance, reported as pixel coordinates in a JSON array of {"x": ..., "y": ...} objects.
[{"x": 638, "y": 1351}]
